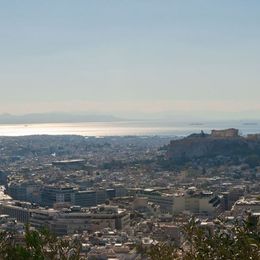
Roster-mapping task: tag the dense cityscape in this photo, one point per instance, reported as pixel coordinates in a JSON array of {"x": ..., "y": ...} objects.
[
  {"x": 129, "y": 130},
  {"x": 115, "y": 195}
]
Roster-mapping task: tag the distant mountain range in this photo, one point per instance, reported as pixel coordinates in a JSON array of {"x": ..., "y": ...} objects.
[{"x": 55, "y": 118}]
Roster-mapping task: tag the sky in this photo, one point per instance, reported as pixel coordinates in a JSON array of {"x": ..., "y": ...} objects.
[{"x": 131, "y": 58}]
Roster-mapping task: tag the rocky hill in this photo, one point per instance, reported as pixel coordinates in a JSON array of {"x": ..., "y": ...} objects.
[{"x": 224, "y": 143}]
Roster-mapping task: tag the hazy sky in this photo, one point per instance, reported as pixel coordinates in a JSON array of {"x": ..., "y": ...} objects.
[{"x": 131, "y": 57}]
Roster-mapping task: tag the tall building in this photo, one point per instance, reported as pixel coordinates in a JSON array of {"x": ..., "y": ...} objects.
[
  {"x": 101, "y": 196},
  {"x": 50, "y": 195},
  {"x": 3, "y": 178},
  {"x": 200, "y": 203},
  {"x": 24, "y": 191},
  {"x": 86, "y": 198},
  {"x": 75, "y": 220},
  {"x": 17, "y": 191},
  {"x": 17, "y": 210}
]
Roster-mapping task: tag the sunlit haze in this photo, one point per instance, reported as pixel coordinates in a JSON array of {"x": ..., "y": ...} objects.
[
  {"x": 130, "y": 129},
  {"x": 131, "y": 58}
]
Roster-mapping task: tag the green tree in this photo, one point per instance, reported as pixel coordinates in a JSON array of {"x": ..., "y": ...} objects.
[
  {"x": 37, "y": 245},
  {"x": 241, "y": 241}
]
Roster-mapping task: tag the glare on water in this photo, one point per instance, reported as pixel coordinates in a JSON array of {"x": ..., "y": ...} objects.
[
  {"x": 117, "y": 128},
  {"x": 85, "y": 129}
]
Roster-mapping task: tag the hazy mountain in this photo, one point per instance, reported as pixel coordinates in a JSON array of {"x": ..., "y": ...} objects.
[{"x": 55, "y": 118}]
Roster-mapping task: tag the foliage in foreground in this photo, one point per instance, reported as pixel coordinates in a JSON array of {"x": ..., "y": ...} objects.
[
  {"x": 226, "y": 243},
  {"x": 240, "y": 241},
  {"x": 37, "y": 245}
]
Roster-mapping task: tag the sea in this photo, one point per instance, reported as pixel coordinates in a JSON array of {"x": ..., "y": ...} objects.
[{"x": 127, "y": 128}]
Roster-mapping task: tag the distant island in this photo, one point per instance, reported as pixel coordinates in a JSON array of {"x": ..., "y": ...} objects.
[{"x": 37, "y": 118}]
